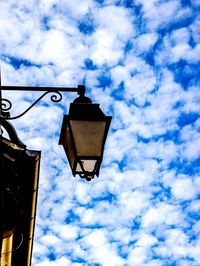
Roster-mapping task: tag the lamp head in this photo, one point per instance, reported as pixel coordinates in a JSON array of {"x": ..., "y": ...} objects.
[{"x": 83, "y": 135}]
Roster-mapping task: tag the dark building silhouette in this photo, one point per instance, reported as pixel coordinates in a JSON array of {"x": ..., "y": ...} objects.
[{"x": 19, "y": 175}]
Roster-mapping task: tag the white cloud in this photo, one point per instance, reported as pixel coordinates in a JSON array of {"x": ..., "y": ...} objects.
[
  {"x": 67, "y": 232},
  {"x": 102, "y": 252},
  {"x": 133, "y": 204},
  {"x": 196, "y": 3},
  {"x": 145, "y": 41},
  {"x": 180, "y": 36},
  {"x": 190, "y": 148},
  {"x": 117, "y": 19},
  {"x": 195, "y": 29},
  {"x": 114, "y": 27},
  {"x": 161, "y": 214},
  {"x": 58, "y": 262},
  {"x": 105, "y": 48},
  {"x": 146, "y": 240},
  {"x": 138, "y": 256},
  {"x": 159, "y": 13},
  {"x": 183, "y": 189}
]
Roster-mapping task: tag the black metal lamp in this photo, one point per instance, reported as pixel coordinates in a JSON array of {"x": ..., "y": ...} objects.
[{"x": 83, "y": 135}]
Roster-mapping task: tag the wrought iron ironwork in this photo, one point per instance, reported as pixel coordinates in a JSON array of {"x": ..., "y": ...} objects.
[
  {"x": 54, "y": 98},
  {"x": 6, "y": 105}
]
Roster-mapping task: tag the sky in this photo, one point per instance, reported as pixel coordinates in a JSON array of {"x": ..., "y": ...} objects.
[{"x": 139, "y": 59}]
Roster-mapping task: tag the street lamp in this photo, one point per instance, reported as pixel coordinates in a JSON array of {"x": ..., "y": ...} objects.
[
  {"x": 84, "y": 129},
  {"x": 83, "y": 135}
]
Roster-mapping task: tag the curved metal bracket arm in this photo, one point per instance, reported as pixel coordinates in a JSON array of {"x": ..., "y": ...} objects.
[
  {"x": 11, "y": 132},
  {"x": 6, "y": 105},
  {"x": 54, "y": 98}
]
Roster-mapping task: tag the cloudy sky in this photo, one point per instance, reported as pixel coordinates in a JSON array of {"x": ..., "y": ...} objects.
[{"x": 140, "y": 60}]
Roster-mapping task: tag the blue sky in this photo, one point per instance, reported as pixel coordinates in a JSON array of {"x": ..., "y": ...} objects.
[{"x": 139, "y": 60}]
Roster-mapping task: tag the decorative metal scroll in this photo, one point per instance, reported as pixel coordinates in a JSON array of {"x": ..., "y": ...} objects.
[{"x": 6, "y": 105}]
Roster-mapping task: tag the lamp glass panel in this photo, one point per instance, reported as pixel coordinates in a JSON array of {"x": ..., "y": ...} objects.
[
  {"x": 88, "y": 137},
  {"x": 69, "y": 148},
  {"x": 88, "y": 165}
]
